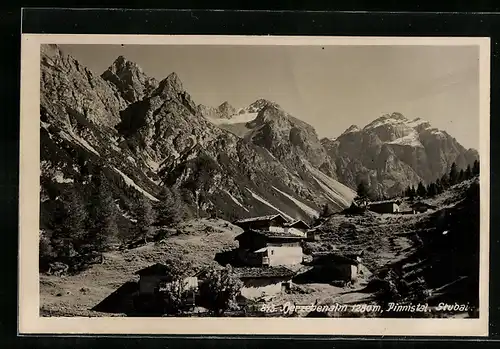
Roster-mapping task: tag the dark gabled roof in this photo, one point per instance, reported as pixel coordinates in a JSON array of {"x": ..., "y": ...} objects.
[
  {"x": 260, "y": 219},
  {"x": 392, "y": 201},
  {"x": 155, "y": 269},
  {"x": 422, "y": 204},
  {"x": 320, "y": 258},
  {"x": 163, "y": 270},
  {"x": 271, "y": 234},
  {"x": 298, "y": 223},
  {"x": 263, "y": 272}
]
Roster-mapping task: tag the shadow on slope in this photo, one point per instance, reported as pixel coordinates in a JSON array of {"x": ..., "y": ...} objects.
[{"x": 446, "y": 264}]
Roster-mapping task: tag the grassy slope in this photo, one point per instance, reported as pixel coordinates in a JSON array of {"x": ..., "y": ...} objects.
[
  {"x": 439, "y": 246},
  {"x": 198, "y": 243},
  {"x": 388, "y": 241}
]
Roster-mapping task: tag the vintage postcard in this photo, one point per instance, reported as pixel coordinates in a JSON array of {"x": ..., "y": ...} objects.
[{"x": 254, "y": 185}]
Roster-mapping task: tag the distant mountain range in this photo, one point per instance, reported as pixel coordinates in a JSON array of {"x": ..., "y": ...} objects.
[
  {"x": 225, "y": 161},
  {"x": 389, "y": 154},
  {"x": 392, "y": 153},
  {"x": 148, "y": 134}
]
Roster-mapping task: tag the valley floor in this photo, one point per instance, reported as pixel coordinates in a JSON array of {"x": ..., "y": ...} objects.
[
  {"x": 77, "y": 295},
  {"x": 384, "y": 238}
]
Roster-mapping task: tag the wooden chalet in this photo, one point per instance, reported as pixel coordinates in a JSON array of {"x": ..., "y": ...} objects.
[
  {"x": 262, "y": 282},
  {"x": 386, "y": 206},
  {"x": 270, "y": 248}
]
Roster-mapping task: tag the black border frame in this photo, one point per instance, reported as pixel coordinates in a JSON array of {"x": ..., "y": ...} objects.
[{"x": 231, "y": 22}]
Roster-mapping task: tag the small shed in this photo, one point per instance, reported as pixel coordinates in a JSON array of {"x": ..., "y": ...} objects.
[
  {"x": 155, "y": 279},
  {"x": 265, "y": 281},
  {"x": 421, "y": 207},
  {"x": 328, "y": 267},
  {"x": 386, "y": 206}
]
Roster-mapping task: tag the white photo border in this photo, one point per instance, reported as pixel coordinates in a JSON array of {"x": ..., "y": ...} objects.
[{"x": 30, "y": 321}]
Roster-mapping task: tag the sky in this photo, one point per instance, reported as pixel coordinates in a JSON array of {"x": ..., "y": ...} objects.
[{"x": 331, "y": 87}]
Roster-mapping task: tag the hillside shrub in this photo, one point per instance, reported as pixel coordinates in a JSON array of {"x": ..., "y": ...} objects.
[{"x": 220, "y": 289}]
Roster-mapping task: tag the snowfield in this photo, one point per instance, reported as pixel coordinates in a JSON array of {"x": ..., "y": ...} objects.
[
  {"x": 310, "y": 211},
  {"x": 338, "y": 192},
  {"x": 236, "y": 200},
  {"x": 257, "y": 197},
  {"x": 412, "y": 140},
  {"x": 131, "y": 183},
  {"x": 79, "y": 140},
  {"x": 416, "y": 122},
  {"x": 235, "y": 119}
]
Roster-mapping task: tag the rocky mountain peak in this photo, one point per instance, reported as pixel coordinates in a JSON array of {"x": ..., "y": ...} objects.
[
  {"x": 271, "y": 113},
  {"x": 351, "y": 129},
  {"x": 68, "y": 85},
  {"x": 393, "y": 152},
  {"x": 226, "y": 110},
  {"x": 129, "y": 79},
  {"x": 50, "y": 50},
  {"x": 387, "y": 119},
  {"x": 260, "y": 103},
  {"x": 122, "y": 66},
  {"x": 171, "y": 84},
  {"x": 171, "y": 88}
]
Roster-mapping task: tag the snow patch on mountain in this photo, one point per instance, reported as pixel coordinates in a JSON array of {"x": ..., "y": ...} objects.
[
  {"x": 338, "y": 191},
  {"x": 236, "y": 200},
  {"x": 261, "y": 199},
  {"x": 416, "y": 122},
  {"x": 116, "y": 148},
  {"x": 125, "y": 215},
  {"x": 155, "y": 166},
  {"x": 131, "y": 183},
  {"x": 411, "y": 139},
  {"x": 437, "y": 132},
  {"x": 59, "y": 178},
  {"x": 75, "y": 138},
  {"x": 310, "y": 211},
  {"x": 235, "y": 119},
  {"x": 385, "y": 120}
]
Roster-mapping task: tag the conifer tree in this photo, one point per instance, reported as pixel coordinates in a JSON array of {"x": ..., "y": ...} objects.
[
  {"x": 475, "y": 168},
  {"x": 461, "y": 175},
  {"x": 169, "y": 209},
  {"x": 445, "y": 181},
  {"x": 145, "y": 216},
  {"x": 421, "y": 191},
  {"x": 362, "y": 190},
  {"x": 104, "y": 214},
  {"x": 411, "y": 193},
  {"x": 453, "y": 177},
  {"x": 432, "y": 190},
  {"x": 326, "y": 211},
  {"x": 468, "y": 172},
  {"x": 439, "y": 187},
  {"x": 74, "y": 216}
]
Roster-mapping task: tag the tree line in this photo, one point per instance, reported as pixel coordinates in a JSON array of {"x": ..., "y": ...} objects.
[
  {"x": 454, "y": 176},
  {"x": 86, "y": 221}
]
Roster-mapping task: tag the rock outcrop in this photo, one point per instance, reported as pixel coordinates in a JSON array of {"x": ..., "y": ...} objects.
[
  {"x": 148, "y": 134},
  {"x": 392, "y": 153}
]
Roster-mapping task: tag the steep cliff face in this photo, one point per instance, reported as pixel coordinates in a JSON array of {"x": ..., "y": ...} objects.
[
  {"x": 223, "y": 111},
  {"x": 288, "y": 138},
  {"x": 129, "y": 79},
  {"x": 393, "y": 152},
  {"x": 149, "y": 134},
  {"x": 65, "y": 83}
]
